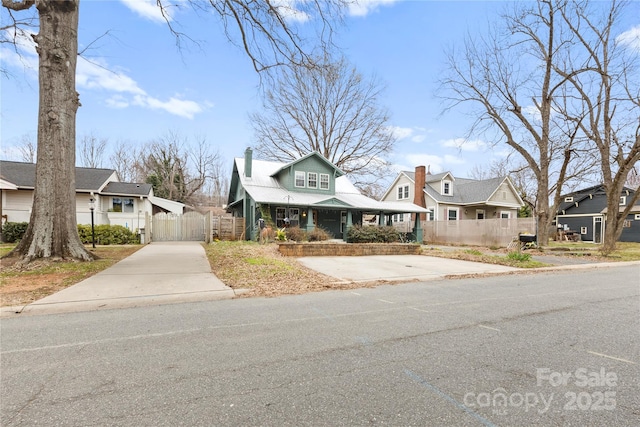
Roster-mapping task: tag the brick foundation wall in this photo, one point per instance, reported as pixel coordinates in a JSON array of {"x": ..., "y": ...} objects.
[{"x": 348, "y": 249}]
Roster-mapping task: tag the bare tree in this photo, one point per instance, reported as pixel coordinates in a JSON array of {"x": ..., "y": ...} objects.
[
  {"x": 92, "y": 151},
  {"x": 27, "y": 149},
  {"x": 178, "y": 170},
  {"x": 125, "y": 159},
  {"x": 606, "y": 102},
  {"x": 511, "y": 79},
  {"x": 330, "y": 108},
  {"x": 265, "y": 30}
]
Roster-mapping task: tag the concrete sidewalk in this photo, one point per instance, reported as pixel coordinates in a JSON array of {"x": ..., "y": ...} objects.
[{"x": 161, "y": 272}]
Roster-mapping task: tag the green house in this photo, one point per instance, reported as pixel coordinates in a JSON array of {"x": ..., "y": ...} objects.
[{"x": 308, "y": 192}]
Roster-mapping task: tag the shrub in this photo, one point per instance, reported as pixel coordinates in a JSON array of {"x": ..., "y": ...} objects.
[
  {"x": 360, "y": 234},
  {"x": 13, "y": 231},
  {"x": 296, "y": 234},
  {"x": 281, "y": 235},
  {"x": 108, "y": 235},
  {"x": 318, "y": 235}
]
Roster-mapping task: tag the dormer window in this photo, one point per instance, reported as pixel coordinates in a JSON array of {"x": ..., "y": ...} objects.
[
  {"x": 446, "y": 188},
  {"x": 300, "y": 178}
]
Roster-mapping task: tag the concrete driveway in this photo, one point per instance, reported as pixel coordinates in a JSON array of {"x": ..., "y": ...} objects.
[{"x": 396, "y": 267}]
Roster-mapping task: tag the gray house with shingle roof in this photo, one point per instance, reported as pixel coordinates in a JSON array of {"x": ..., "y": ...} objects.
[
  {"x": 448, "y": 198},
  {"x": 116, "y": 203}
]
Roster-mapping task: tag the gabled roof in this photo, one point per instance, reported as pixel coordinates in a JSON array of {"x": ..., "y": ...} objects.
[
  {"x": 23, "y": 175},
  {"x": 263, "y": 187},
  {"x": 315, "y": 154},
  {"x": 585, "y": 193},
  {"x": 465, "y": 191}
]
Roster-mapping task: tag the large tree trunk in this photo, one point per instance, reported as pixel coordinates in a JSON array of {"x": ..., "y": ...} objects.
[{"x": 52, "y": 231}]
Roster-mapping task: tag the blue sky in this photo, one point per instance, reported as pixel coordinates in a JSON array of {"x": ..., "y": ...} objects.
[{"x": 138, "y": 85}]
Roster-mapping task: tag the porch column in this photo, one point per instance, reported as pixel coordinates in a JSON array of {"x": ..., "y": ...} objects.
[
  {"x": 380, "y": 219},
  {"x": 348, "y": 225},
  {"x": 417, "y": 229},
  {"x": 310, "y": 225}
]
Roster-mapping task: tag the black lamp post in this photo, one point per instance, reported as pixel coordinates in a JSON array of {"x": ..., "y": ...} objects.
[{"x": 92, "y": 206}]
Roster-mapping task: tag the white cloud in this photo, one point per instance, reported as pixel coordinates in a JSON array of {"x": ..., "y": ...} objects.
[
  {"x": 464, "y": 144},
  {"x": 401, "y": 133},
  {"x": 418, "y": 138},
  {"x": 288, "y": 10},
  {"x": 96, "y": 75},
  {"x": 175, "y": 106},
  {"x": 364, "y": 7},
  {"x": 147, "y": 9},
  {"x": 630, "y": 38},
  {"x": 22, "y": 54}
]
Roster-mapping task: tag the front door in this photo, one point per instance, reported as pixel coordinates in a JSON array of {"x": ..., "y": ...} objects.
[{"x": 597, "y": 230}]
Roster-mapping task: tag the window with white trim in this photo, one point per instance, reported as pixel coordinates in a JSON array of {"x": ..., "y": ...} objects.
[
  {"x": 583, "y": 230},
  {"x": 431, "y": 215},
  {"x": 636, "y": 216},
  {"x": 568, "y": 199},
  {"x": 623, "y": 200},
  {"x": 324, "y": 181},
  {"x": 312, "y": 180},
  {"x": 120, "y": 204},
  {"x": 446, "y": 188},
  {"x": 403, "y": 192},
  {"x": 452, "y": 214},
  {"x": 300, "y": 179},
  {"x": 505, "y": 214},
  {"x": 480, "y": 214}
]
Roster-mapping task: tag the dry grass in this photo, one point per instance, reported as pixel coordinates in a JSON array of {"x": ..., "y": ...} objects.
[
  {"x": 24, "y": 284},
  {"x": 265, "y": 272}
]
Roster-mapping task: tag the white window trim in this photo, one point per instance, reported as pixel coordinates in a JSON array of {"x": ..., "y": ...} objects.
[
  {"x": 402, "y": 190},
  {"x": 481, "y": 211},
  {"x": 456, "y": 210},
  {"x": 583, "y": 230},
  {"x": 636, "y": 216},
  {"x": 309, "y": 174},
  {"x": 623, "y": 200},
  {"x": 320, "y": 181},
  {"x": 505, "y": 212},
  {"x": 450, "y": 193},
  {"x": 568, "y": 199},
  {"x": 295, "y": 179}
]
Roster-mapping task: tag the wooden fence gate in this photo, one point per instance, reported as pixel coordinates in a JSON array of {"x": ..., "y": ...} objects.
[{"x": 172, "y": 227}]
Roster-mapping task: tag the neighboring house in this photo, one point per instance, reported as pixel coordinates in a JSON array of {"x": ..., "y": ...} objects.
[
  {"x": 449, "y": 198},
  {"x": 585, "y": 211},
  {"x": 309, "y": 192},
  {"x": 116, "y": 203}
]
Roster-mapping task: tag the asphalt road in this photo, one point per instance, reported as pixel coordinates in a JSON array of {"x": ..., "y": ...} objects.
[{"x": 546, "y": 349}]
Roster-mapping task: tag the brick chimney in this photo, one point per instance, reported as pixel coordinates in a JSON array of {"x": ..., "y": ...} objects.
[
  {"x": 248, "y": 160},
  {"x": 418, "y": 196}
]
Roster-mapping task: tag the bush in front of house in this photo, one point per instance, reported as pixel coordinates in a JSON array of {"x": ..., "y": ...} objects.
[
  {"x": 318, "y": 235},
  {"x": 13, "y": 231},
  {"x": 108, "y": 235},
  {"x": 360, "y": 234},
  {"x": 296, "y": 234}
]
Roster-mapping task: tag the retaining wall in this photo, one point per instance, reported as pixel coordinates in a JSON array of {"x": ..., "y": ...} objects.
[{"x": 348, "y": 249}]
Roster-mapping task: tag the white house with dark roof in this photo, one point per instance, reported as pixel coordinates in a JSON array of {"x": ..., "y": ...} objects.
[
  {"x": 308, "y": 192},
  {"x": 116, "y": 203},
  {"x": 449, "y": 198}
]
